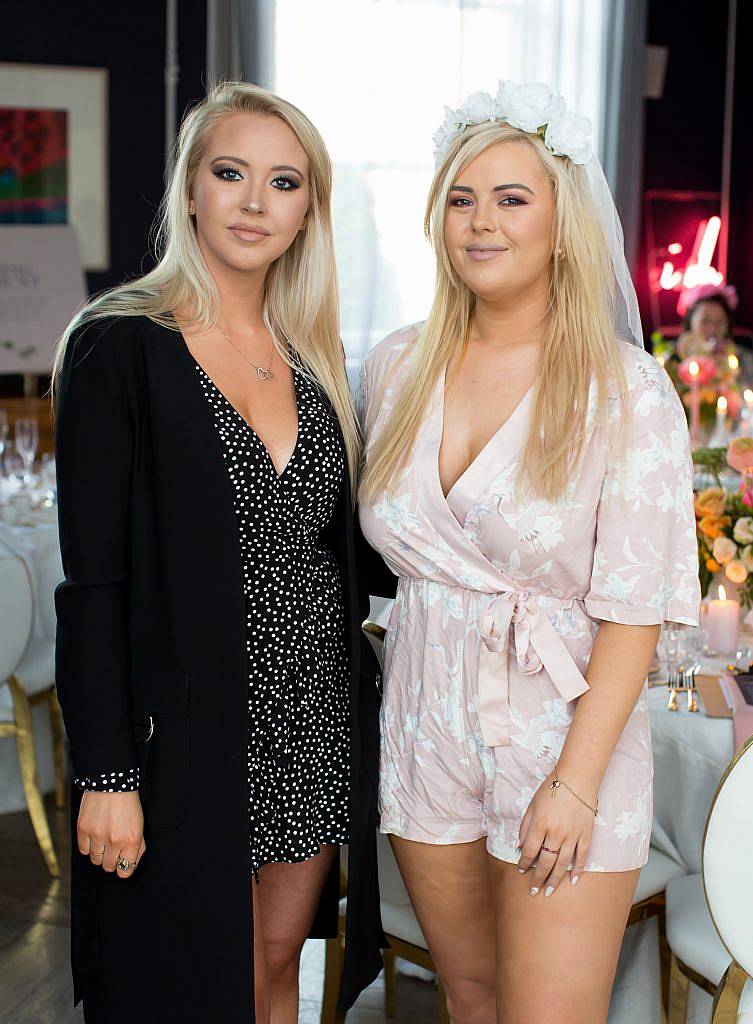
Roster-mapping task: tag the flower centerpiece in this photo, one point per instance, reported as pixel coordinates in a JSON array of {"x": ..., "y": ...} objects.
[
  {"x": 724, "y": 520},
  {"x": 717, "y": 361}
]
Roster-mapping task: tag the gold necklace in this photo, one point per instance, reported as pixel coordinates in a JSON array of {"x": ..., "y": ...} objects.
[{"x": 262, "y": 373}]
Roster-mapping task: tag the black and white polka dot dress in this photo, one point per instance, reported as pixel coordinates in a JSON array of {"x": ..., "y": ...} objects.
[
  {"x": 298, "y": 753},
  {"x": 298, "y": 747}
]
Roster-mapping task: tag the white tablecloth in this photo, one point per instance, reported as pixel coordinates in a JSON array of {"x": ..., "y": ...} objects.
[
  {"x": 691, "y": 752},
  {"x": 39, "y": 547}
]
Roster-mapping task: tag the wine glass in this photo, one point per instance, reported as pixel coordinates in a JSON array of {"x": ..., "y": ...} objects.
[
  {"x": 13, "y": 465},
  {"x": 3, "y": 432},
  {"x": 49, "y": 480},
  {"x": 27, "y": 440}
]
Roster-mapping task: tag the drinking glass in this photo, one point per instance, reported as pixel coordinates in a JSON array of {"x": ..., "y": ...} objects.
[
  {"x": 3, "y": 433},
  {"x": 49, "y": 480},
  {"x": 13, "y": 467},
  {"x": 27, "y": 440}
]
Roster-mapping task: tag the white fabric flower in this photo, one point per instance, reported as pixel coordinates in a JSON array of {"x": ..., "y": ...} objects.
[
  {"x": 570, "y": 135},
  {"x": 743, "y": 532},
  {"x": 479, "y": 107},
  {"x": 529, "y": 105},
  {"x": 504, "y": 93},
  {"x": 746, "y": 556},
  {"x": 724, "y": 550},
  {"x": 448, "y": 130}
]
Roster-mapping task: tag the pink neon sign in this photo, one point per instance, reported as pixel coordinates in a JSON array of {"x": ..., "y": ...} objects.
[{"x": 699, "y": 269}]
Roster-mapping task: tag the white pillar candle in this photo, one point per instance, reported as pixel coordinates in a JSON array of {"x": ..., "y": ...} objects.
[
  {"x": 723, "y": 623},
  {"x": 746, "y": 417},
  {"x": 720, "y": 437}
]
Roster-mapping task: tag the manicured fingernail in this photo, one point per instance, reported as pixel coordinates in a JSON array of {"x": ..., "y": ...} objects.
[
  {"x": 534, "y": 890},
  {"x": 522, "y": 870},
  {"x": 549, "y": 890},
  {"x": 574, "y": 879}
]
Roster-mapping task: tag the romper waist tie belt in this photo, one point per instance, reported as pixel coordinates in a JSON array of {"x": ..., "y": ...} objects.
[{"x": 537, "y": 646}]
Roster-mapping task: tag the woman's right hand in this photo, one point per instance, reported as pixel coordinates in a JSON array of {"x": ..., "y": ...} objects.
[{"x": 111, "y": 825}]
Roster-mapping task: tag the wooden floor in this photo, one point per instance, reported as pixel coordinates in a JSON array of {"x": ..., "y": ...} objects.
[{"x": 35, "y": 985}]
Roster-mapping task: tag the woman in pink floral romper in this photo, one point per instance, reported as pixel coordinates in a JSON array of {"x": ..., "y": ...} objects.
[{"x": 524, "y": 624}]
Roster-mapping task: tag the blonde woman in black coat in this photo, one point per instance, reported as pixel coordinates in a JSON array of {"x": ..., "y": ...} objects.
[{"x": 220, "y": 704}]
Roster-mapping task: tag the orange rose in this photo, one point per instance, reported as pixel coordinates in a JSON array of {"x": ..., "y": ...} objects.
[
  {"x": 713, "y": 526},
  {"x": 712, "y": 566},
  {"x": 710, "y": 502},
  {"x": 740, "y": 454},
  {"x": 736, "y": 571}
]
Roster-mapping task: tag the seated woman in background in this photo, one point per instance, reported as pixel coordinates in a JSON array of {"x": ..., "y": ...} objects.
[{"x": 708, "y": 324}]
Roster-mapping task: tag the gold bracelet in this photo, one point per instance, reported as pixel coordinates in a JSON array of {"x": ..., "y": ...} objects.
[{"x": 555, "y": 784}]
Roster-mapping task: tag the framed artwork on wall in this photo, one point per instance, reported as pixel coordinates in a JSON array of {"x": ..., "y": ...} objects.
[{"x": 53, "y": 152}]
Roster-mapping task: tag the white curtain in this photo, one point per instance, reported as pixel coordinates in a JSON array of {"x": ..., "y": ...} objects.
[{"x": 374, "y": 76}]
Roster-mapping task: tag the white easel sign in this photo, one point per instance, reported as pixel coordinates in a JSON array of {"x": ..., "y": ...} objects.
[{"x": 41, "y": 286}]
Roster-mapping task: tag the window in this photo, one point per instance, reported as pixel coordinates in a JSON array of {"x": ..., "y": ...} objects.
[{"x": 375, "y": 76}]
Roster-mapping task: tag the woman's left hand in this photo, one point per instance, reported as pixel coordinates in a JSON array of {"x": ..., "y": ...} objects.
[{"x": 555, "y": 833}]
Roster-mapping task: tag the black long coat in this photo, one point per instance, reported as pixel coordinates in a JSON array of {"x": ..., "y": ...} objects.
[{"x": 151, "y": 622}]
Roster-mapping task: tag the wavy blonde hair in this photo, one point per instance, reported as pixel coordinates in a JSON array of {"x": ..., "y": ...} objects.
[
  {"x": 300, "y": 296},
  {"x": 579, "y": 340}
]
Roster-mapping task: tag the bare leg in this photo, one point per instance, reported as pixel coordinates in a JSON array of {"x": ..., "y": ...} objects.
[
  {"x": 451, "y": 892},
  {"x": 261, "y": 983},
  {"x": 285, "y": 902},
  {"x": 557, "y": 955}
]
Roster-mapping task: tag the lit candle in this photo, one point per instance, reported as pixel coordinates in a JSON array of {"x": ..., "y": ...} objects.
[
  {"x": 746, "y": 414},
  {"x": 723, "y": 622},
  {"x": 720, "y": 436}
]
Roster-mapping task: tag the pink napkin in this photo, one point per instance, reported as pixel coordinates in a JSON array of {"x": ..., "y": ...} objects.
[{"x": 742, "y": 713}]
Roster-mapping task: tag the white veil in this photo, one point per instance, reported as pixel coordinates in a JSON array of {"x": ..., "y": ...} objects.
[{"x": 626, "y": 317}]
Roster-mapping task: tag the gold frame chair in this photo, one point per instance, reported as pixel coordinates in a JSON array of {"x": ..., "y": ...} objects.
[
  {"x": 728, "y": 992},
  {"x": 22, "y": 729}
]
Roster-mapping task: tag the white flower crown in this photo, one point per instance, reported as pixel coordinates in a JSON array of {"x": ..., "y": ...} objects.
[{"x": 531, "y": 106}]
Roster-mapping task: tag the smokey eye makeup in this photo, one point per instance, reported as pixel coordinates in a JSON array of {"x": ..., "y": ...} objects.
[
  {"x": 285, "y": 183},
  {"x": 224, "y": 172},
  {"x": 508, "y": 201},
  {"x": 281, "y": 182}
]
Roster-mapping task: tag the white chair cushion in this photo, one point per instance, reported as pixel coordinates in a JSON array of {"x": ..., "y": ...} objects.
[
  {"x": 16, "y": 611},
  {"x": 391, "y": 886},
  {"x": 745, "y": 1009},
  {"x": 36, "y": 670},
  {"x": 690, "y": 931},
  {"x": 727, "y": 851},
  {"x": 654, "y": 877},
  {"x": 401, "y": 922}
]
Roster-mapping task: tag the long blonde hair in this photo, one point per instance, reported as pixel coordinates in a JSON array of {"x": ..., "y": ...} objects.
[
  {"x": 579, "y": 343},
  {"x": 300, "y": 300}
]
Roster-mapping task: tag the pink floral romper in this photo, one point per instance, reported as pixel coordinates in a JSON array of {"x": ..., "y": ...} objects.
[{"x": 499, "y": 598}]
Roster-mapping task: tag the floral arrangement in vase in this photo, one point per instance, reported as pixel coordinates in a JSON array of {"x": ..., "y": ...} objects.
[
  {"x": 716, "y": 372},
  {"x": 724, "y": 520}
]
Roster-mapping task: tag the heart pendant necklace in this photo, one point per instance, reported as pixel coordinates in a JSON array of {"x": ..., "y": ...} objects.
[{"x": 262, "y": 373}]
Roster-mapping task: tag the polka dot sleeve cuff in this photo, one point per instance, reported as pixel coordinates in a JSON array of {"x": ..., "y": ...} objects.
[{"x": 111, "y": 782}]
